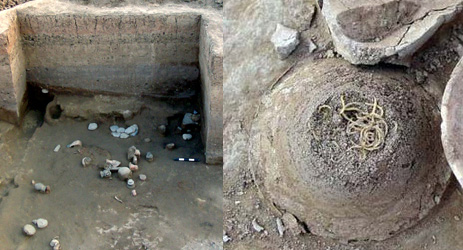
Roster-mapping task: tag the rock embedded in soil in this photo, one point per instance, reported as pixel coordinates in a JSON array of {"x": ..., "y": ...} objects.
[
  {"x": 57, "y": 148},
  {"x": 124, "y": 136},
  {"x": 187, "y": 137},
  {"x": 41, "y": 188},
  {"x": 170, "y": 146},
  {"x": 92, "y": 126},
  {"x": 124, "y": 173},
  {"x": 162, "y": 129},
  {"x": 330, "y": 181},
  {"x": 149, "y": 157},
  {"x": 142, "y": 177},
  {"x": 29, "y": 230},
  {"x": 256, "y": 226},
  {"x": 285, "y": 41},
  {"x": 113, "y": 128},
  {"x": 40, "y": 223}
]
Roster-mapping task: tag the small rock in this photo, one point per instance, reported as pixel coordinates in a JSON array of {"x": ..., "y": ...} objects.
[
  {"x": 226, "y": 238},
  {"x": 124, "y": 136},
  {"x": 116, "y": 134},
  {"x": 105, "y": 173},
  {"x": 147, "y": 140},
  {"x": 170, "y": 146},
  {"x": 133, "y": 167},
  {"x": 124, "y": 173},
  {"x": 130, "y": 183},
  {"x": 57, "y": 148},
  {"x": 437, "y": 199},
  {"x": 285, "y": 40},
  {"x": 312, "y": 46},
  {"x": 256, "y": 226},
  {"x": 42, "y": 188},
  {"x": 280, "y": 227},
  {"x": 29, "y": 230},
  {"x": 329, "y": 53},
  {"x": 196, "y": 117},
  {"x": 92, "y": 126},
  {"x": 120, "y": 130},
  {"x": 86, "y": 161},
  {"x": 457, "y": 218},
  {"x": 292, "y": 225},
  {"x": 134, "y": 192},
  {"x": 142, "y": 177},
  {"x": 162, "y": 129},
  {"x": 40, "y": 223},
  {"x": 45, "y": 91},
  {"x": 187, "y": 137},
  {"x": 132, "y": 154},
  {"x": 127, "y": 114},
  {"x": 131, "y": 129},
  {"x": 75, "y": 143},
  {"x": 114, "y": 128},
  {"x": 187, "y": 120},
  {"x": 112, "y": 164},
  {"x": 55, "y": 244},
  {"x": 149, "y": 157}
]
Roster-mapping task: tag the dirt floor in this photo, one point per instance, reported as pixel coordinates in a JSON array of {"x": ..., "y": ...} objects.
[
  {"x": 179, "y": 206},
  {"x": 430, "y": 69}
]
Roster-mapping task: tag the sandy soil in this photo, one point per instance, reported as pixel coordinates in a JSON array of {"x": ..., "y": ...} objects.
[{"x": 179, "y": 206}]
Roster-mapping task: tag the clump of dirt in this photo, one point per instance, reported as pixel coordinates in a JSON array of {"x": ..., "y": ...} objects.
[{"x": 307, "y": 150}]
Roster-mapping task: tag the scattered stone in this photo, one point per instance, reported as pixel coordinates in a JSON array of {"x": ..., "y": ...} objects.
[
  {"x": 292, "y": 225},
  {"x": 437, "y": 199},
  {"x": 29, "y": 230},
  {"x": 421, "y": 76},
  {"x": 132, "y": 154},
  {"x": 116, "y": 134},
  {"x": 142, "y": 177},
  {"x": 92, "y": 126},
  {"x": 187, "y": 137},
  {"x": 132, "y": 130},
  {"x": 256, "y": 226},
  {"x": 134, "y": 192},
  {"x": 457, "y": 218},
  {"x": 162, "y": 129},
  {"x": 170, "y": 146},
  {"x": 285, "y": 40},
  {"x": 124, "y": 173},
  {"x": 112, "y": 164},
  {"x": 57, "y": 148},
  {"x": 45, "y": 91},
  {"x": 120, "y": 130},
  {"x": 196, "y": 117},
  {"x": 187, "y": 120},
  {"x": 133, "y": 167},
  {"x": 280, "y": 227},
  {"x": 226, "y": 238},
  {"x": 40, "y": 223},
  {"x": 105, "y": 173},
  {"x": 76, "y": 143},
  {"x": 149, "y": 157},
  {"x": 124, "y": 136},
  {"x": 130, "y": 183},
  {"x": 127, "y": 114},
  {"x": 114, "y": 128},
  {"x": 55, "y": 244},
  {"x": 329, "y": 53},
  {"x": 312, "y": 46},
  {"x": 147, "y": 140},
  {"x": 42, "y": 188},
  {"x": 86, "y": 161}
]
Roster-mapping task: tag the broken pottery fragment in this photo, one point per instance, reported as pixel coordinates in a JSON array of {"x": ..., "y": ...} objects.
[{"x": 369, "y": 32}]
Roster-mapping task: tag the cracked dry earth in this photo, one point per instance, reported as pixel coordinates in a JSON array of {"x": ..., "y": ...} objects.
[
  {"x": 179, "y": 206},
  {"x": 430, "y": 69}
]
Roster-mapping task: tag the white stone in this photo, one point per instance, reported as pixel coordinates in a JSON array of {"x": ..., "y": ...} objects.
[
  {"x": 285, "y": 40},
  {"x": 40, "y": 223},
  {"x": 187, "y": 137},
  {"x": 187, "y": 119},
  {"x": 124, "y": 136},
  {"x": 29, "y": 230},
  {"x": 124, "y": 173},
  {"x": 131, "y": 129},
  {"x": 57, "y": 148},
  {"x": 116, "y": 134},
  {"x": 92, "y": 126},
  {"x": 114, "y": 128},
  {"x": 120, "y": 130}
]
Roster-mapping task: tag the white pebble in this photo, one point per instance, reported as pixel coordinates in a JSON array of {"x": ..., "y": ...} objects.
[
  {"x": 29, "y": 230},
  {"x": 142, "y": 177},
  {"x": 92, "y": 126},
  {"x": 187, "y": 137},
  {"x": 116, "y": 134},
  {"x": 40, "y": 223},
  {"x": 124, "y": 136},
  {"x": 256, "y": 226},
  {"x": 57, "y": 148},
  {"x": 120, "y": 130},
  {"x": 113, "y": 128}
]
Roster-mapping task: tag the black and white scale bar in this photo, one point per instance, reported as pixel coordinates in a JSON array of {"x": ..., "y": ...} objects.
[{"x": 187, "y": 159}]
